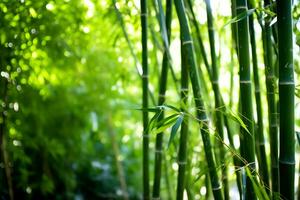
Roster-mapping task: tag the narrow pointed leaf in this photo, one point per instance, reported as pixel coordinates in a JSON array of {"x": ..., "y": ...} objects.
[{"x": 175, "y": 129}]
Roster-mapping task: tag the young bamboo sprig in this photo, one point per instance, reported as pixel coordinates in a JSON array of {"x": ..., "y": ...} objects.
[
  {"x": 146, "y": 184},
  {"x": 188, "y": 54},
  {"x": 286, "y": 100},
  {"x": 161, "y": 100},
  {"x": 246, "y": 137}
]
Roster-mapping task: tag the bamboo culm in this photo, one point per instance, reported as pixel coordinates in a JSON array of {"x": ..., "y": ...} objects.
[
  {"x": 209, "y": 71},
  {"x": 146, "y": 184},
  {"x": 182, "y": 154},
  {"x": 188, "y": 53},
  {"x": 259, "y": 129},
  {"x": 286, "y": 100},
  {"x": 272, "y": 111},
  {"x": 218, "y": 113},
  {"x": 246, "y": 136},
  {"x": 161, "y": 100}
]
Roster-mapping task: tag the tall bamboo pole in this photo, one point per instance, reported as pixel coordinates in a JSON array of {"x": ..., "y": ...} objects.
[
  {"x": 272, "y": 108},
  {"x": 188, "y": 54},
  {"x": 161, "y": 101},
  {"x": 146, "y": 186},
  {"x": 246, "y": 137},
  {"x": 286, "y": 99},
  {"x": 182, "y": 154},
  {"x": 259, "y": 129},
  {"x": 218, "y": 111},
  {"x": 209, "y": 71}
]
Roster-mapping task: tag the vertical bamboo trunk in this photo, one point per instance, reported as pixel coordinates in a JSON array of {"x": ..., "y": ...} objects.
[
  {"x": 188, "y": 54},
  {"x": 161, "y": 100},
  {"x": 246, "y": 137},
  {"x": 215, "y": 83},
  {"x": 272, "y": 111},
  {"x": 182, "y": 154},
  {"x": 208, "y": 68},
  {"x": 286, "y": 100},
  {"x": 259, "y": 130},
  {"x": 146, "y": 186}
]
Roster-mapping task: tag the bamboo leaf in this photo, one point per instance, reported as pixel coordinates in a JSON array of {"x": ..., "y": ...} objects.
[
  {"x": 240, "y": 16},
  {"x": 237, "y": 119},
  {"x": 175, "y": 128},
  {"x": 154, "y": 119},
  {"x": 274, "y": 21},
  {"x": 298, "y": 137},
  {"x": 172, "y": 107},
  {"x": 259, "y": 190},
  {"x": 167, "y": 120}
]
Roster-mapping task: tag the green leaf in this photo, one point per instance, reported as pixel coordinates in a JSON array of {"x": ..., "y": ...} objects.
[
  {"x": 240, "y": 17},
  {"x": 298, "y": 137},
  {"x": 259, "y": 189},
  {"x": 175, "y": 128},
  {"x": 153, "y": 120},
  {"x": 172, "y": 107},
  {"x": 236, "y": 118}
]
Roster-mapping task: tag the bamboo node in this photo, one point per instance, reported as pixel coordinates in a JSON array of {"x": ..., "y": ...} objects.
[
  {"x": 144, "y": 14},
  {"x": 162, "y": 95},
  {"x": 158, "y": 151},
  {"x": 155, "y": 198},
  {"x": 146, "y": 136},
  {"x": 184, "y": 89},
  {"x": 287, "y": 162},
  {"x": 241, "y": 7},
  {"x": 187, "y": 42},
  {"x": 219, "y": 187},
  {"x": 215, "y": 81},
  {"x": 181, "y": 162},
  {"x": 145, "y": 76},
  {"x": 286, "y": 83},
  {"x": 245, "y": 81}
]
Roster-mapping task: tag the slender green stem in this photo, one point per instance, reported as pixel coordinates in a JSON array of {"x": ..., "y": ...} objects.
[
  {"x": 182, "y": 154},
  {"x": 259, "y": 129},
  {"x": 188, "y": 54},
  {"x": 146, "y": 184},
  {"x": 215, "y": 83},
  {"x": 286, "y": 100},
  {"x": 209, "y": 71},
  {"x": 272, "y": 111},
  {"x": 246, "y": 137},
  {"x": 161, "y": 100}
]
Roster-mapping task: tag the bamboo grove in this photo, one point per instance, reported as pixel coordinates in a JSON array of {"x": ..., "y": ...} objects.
[{"x": 250, "y": 127}]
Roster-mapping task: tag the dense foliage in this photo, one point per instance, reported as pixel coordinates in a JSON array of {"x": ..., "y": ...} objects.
[{"x": 74, "y": 87}]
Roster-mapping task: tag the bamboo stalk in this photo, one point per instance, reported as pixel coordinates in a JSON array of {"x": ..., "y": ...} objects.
[
  {"x": 188, "y": 54},
  {"x": 161, "y": 100},
  {"x": 146, "y": 184},
  {"x": 272, "y": 111},
  {"x": 215, "y": 83},
  {"x": 286, "y": 100},
  {"x": 246, "y": 136},
  {"x": 259, "y": 130},
  {"x": 223, "y": 107},
  {"x": 182, "y": 153}
]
